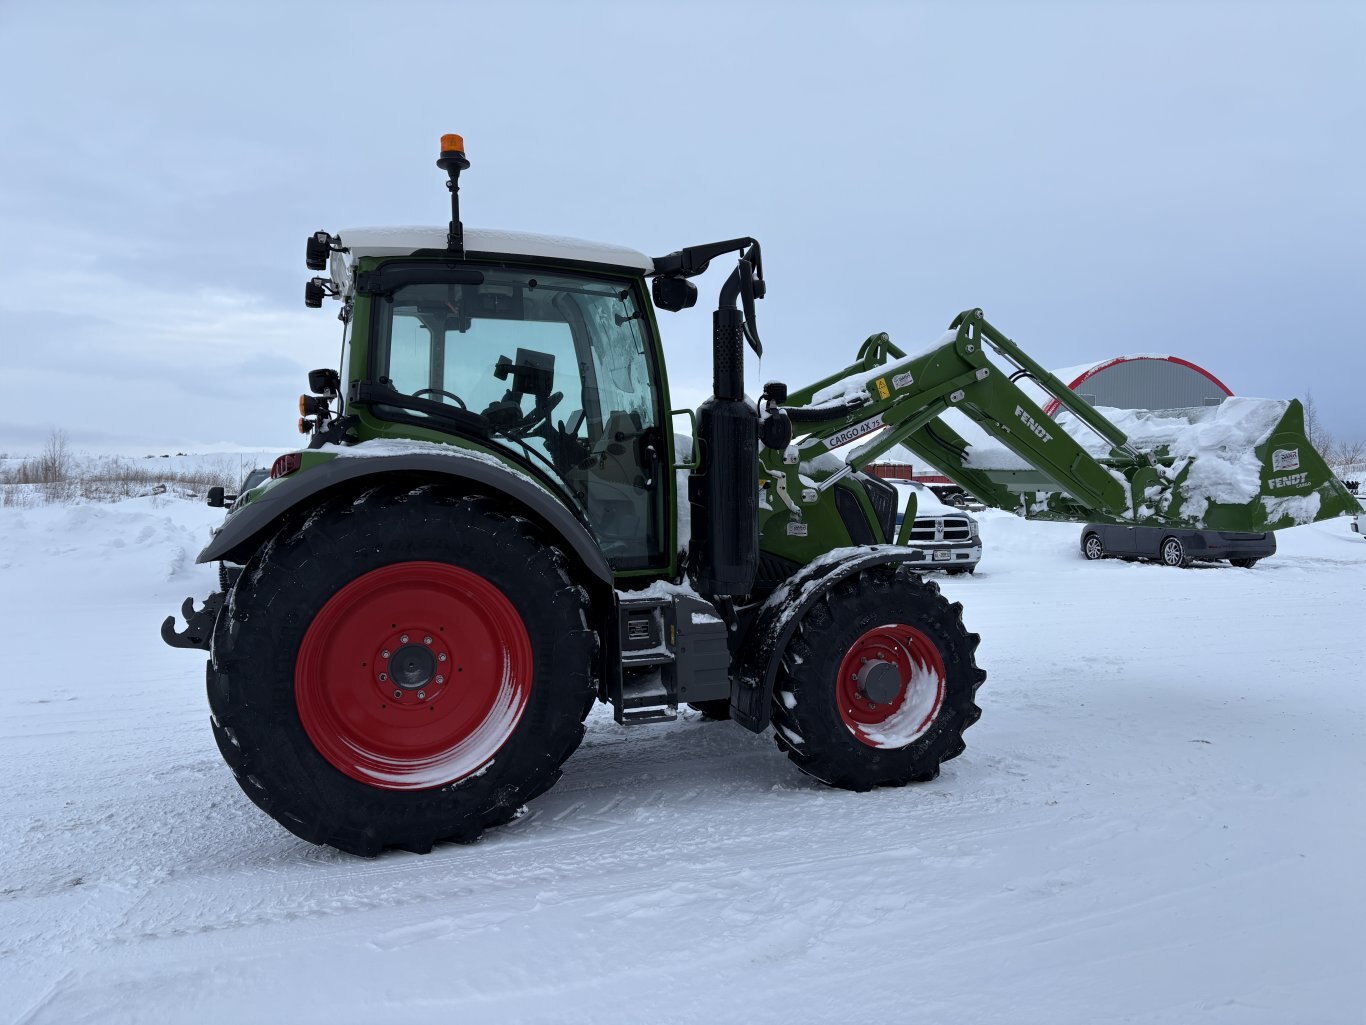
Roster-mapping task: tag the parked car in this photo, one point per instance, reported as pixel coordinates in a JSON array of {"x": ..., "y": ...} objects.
[
  {"x": 1174, "y": 547},
  {"x": 955, "y": 496},
  {"x": 948, "y": 536}
]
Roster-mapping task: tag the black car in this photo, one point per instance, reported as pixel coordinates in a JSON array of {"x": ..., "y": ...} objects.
[{"x": 1174, "y": 547}]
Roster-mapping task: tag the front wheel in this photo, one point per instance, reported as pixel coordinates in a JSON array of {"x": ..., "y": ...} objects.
[
  {"x": 1092, "y": 548},
  {"x": 399, "y": 670},
  {"x": 878, "y": 683}
]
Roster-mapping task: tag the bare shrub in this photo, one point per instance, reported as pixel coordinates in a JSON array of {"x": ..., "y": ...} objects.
[{"x": 56, "y": 475}]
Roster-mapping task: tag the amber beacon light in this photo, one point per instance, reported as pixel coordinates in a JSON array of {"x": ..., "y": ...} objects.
[{"x": 453, "y": 161}]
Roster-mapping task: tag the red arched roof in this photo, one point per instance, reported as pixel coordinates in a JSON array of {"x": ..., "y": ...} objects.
[{"x": 1053, "y": 404}]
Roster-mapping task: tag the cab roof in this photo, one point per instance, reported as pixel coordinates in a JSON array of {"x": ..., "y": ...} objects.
[{"x": 403, "y": 241}]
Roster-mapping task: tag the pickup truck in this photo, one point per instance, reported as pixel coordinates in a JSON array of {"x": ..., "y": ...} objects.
[{"x": 947, "y": 535}]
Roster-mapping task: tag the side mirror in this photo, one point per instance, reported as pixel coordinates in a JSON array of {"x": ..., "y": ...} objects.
[{"x": 674, "y": 294}]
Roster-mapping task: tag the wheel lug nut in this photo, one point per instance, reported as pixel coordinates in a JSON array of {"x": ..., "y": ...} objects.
[
  {"x": 383, "y": 677},
  {"x": 404, "y": 638},
  {"x": 426, "y": 640},
  {"x": 440, "y": 679},
  {"x": 398, "y": 694},
  {"x": 384, "y": 653},
  {"x": 441, "y": 657},
  {"x": 421, "y": 695}
]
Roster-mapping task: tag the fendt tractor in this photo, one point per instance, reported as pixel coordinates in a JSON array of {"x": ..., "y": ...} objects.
[{"x": 482, "y": 536}]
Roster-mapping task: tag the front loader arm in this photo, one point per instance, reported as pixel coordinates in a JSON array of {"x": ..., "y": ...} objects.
[{"x": 1042, "y": 468}]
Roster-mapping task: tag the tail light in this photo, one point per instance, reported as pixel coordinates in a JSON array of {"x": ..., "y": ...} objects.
[{"x": 285, "y": 465}]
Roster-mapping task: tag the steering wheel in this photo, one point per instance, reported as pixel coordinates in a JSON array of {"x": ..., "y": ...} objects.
[
  {"x": 444, "y": 394},
  {"x": 539, "y": 414}
]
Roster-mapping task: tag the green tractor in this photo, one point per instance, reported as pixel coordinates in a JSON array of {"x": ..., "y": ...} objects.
[{"x": 484, "y": 536}]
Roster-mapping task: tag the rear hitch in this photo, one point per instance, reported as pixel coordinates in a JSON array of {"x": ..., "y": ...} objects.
[{"x": 198, "y": 625}]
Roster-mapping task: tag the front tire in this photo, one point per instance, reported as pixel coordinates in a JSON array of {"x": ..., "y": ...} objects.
[
  {"x": 878, "y": 683},
  {"x": 1092, "y": 548},
  {"x": 403, "y": 669}
]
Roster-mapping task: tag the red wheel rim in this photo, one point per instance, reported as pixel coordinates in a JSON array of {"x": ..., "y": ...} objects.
[
  {"x": 413, "y": 676},
  {"x": 919, "y": 685}
]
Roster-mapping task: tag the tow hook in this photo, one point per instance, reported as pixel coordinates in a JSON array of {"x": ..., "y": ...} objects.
[{"x": 198, "y": 625}]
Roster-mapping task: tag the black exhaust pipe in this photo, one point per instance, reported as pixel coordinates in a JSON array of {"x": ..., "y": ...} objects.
[{"x": 723, "y": 491}]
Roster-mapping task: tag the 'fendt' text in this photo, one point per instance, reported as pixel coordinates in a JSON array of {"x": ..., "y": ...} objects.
[
  {"x": 1294, "y": 480},
  {"x": 1029, "y": 422}
]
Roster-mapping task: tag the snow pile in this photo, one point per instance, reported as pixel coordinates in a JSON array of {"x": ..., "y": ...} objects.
[
  {"x": 1217, "y": 443},
  {"x": 1300, "y": 508}
]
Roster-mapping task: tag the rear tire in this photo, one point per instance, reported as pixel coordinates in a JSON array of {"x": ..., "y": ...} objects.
[
  {"x": 1173, "y": 553},
  {"x": 433, "y": 725},
  {"x": 1243, "y": 563},
  {"x": 1092, "y": 548},
  {"x": 824, "y": 718}
]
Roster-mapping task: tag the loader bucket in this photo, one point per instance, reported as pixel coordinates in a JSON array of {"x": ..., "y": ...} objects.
[{"x": 1245, "y": 465}]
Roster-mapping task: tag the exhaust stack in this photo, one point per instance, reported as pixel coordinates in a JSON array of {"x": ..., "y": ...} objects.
[{"x": 723, "y": 490}]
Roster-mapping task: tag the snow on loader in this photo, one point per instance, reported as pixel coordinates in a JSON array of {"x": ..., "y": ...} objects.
[{"x": 482, "y": 536}]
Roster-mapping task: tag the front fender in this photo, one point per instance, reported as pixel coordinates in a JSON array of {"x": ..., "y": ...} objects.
[
  {"x": 248, "y": 528},
  {"x": 762, "y": 650}
]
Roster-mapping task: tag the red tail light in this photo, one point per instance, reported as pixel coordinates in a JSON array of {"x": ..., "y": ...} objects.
[{"x": 285, "y": 465}]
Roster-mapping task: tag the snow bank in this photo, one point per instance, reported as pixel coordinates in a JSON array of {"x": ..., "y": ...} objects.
[{"x": 1147, "y": 824}]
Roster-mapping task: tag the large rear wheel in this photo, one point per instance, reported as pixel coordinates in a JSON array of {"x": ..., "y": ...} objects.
[
  {"x": 406, "y": 668},
  {"x": 878, "y": 683}
]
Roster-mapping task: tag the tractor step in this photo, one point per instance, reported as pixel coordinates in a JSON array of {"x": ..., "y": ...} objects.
[
  {"x": 645, "y": 716},
  {"x": 645, "y": 697},
  {"x": 671, "y": 648}
]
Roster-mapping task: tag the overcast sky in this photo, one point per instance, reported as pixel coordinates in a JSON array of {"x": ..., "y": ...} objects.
[{"x": 1102, "y": 179}]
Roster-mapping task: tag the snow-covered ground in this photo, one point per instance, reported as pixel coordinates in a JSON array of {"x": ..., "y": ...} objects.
[{"x": 1160, "y": 818}]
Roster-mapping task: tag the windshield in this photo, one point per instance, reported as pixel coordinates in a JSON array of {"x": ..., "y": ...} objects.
[{"x": 558, "y": 366}]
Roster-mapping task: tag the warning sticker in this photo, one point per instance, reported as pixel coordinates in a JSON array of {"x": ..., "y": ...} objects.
[
  {"x": 1285, "y": 459},
  {"x": 882, "y": 390}
]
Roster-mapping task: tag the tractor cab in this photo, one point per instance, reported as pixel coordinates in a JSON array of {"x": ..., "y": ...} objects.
[{"x": 543, "y": 350}]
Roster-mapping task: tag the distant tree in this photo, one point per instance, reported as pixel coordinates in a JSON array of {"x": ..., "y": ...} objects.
[
  {"x": 54, "y": 462},
  {"x": 1313, "y": 426},
  {"x": 1348, "y": 453}
]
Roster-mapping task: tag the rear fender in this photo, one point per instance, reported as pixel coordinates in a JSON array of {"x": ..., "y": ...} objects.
[
  {"x": 246, "y": 529},
  {"x": 762, "y": 651}
]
